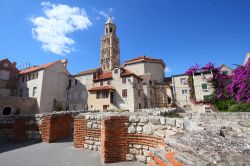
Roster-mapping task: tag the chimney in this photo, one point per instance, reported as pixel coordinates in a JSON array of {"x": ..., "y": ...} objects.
[
  {"x": 64, "y": 62},
  {"x": 14, "y": 64}
]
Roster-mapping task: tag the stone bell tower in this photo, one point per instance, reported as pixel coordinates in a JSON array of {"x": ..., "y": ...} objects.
[{"x": 110, "y": 51}]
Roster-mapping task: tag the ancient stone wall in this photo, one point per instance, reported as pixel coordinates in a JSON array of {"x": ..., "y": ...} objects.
[
  {"x": 149, "y": 136},
  {"x": 125, "y": 136}
]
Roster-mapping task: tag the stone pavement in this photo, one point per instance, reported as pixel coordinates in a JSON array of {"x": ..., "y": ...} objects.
[{"x": 54, "y": 154}]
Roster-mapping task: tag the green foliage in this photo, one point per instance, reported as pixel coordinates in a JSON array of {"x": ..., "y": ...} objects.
[
  {"x": 240, "y": 107},
  {"x": 223, "y": 104},
  {"x": 191, "y": 85}
]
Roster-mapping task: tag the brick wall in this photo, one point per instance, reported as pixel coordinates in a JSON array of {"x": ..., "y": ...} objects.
[
  {"x": 163, "y": 158},
  {"x": 46, "y": 128},
  {"x": 117, "y": 144},
  {"x": 87, "y": 133}
]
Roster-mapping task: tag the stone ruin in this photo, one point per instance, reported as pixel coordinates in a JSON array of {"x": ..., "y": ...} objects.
[{"x": 152, "y": 136}]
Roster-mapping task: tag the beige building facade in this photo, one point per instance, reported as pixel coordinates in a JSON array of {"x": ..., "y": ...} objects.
[
  {"x": 47, "y": 83},
  {"x": 202, "y": 89}
]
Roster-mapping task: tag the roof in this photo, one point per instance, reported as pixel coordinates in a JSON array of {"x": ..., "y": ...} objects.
[
  {"x": 12, "y": 65},
  {"x": 177, "y": 75},
  {"x": 144, "y": 59},
  {"x": 86, "y": 72},
  {"x": 109, "y": 21},
  {"x": 225, "y": 66},
  {"x": 126, "y": 72},
  {"x": 100, "y": 88},
  {"x": 35, "y": 68},
  {"x": 145, "y": 77},
  {"x": 103, "y": 76}
]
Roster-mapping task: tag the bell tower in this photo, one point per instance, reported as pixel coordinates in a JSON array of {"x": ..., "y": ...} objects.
[{"x": 110, "y": 51}]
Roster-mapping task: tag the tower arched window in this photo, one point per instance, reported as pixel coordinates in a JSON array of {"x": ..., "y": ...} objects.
[
  {"x": 7, "y": 111},
  {"x": 107, "y": 31},
  {"x": 110, "y": 30}
]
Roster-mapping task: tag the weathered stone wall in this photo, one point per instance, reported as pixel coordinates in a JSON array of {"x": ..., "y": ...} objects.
[
  {"x": 19, "y": 105},
  {"x": 142, "y": 135},
  {"x": 124, "y": 136}
]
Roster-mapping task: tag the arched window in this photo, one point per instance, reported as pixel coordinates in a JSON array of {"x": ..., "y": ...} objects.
[{"x": 7, "y": 111}]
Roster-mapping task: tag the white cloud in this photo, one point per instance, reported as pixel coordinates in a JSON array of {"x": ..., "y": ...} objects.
[
  {"x": 59, "y": 21},
  {"x": 103, "y": 13},
  {"x": 167, "y": 69}
]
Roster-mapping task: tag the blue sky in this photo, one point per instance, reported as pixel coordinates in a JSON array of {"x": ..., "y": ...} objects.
[{"x": 181, "y": 32}]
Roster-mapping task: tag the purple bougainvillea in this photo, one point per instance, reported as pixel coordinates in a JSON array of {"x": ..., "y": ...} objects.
[
  {"x": 239, "y": 88},
  {"x": 192, "y": 69},
  {"x": 217, "y": 80}
]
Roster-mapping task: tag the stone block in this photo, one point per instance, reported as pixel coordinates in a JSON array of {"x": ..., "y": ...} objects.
[
  {"x": 139, "y": 129},
  {"x": 131, "y": 129},
  {"x": 171, "y": 121},
  {"x": 179, "y": 123},
  {"x": 130, "y": 157},
  {"x": 148, "y": 129},
  {"x": 134, "y": 119},
  {"x": 163, "y": 121},
  {"x": 137, "y": 146},
  {"x": 141, "y": 158}
]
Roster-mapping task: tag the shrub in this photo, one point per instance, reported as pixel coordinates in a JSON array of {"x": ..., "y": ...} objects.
[
  {"x": 223, "y": 104},
  {"x": 240, "y": 107}
]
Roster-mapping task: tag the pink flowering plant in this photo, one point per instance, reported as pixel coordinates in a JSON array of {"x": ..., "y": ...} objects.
[
  {"x": 216, "y": 81},
  {"x": 239, "y": 88},
  {"x": 231, "y": 92}
]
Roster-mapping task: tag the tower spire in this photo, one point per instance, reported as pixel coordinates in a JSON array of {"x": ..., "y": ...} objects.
[
  {"x": 110, "y": 20},
  {"x": 110, "y": 51}
]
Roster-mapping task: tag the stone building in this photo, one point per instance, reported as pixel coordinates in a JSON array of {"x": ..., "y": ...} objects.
[
  {"x": 112, "y": 86},
  {"x": 47, "y": 83},
  {"x": 8, "y": 78},
  {"x": 202, "y": 89}
]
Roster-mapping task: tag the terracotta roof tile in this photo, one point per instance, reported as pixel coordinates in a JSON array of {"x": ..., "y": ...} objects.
[
  {"x": 35, "y": 68},
  {"x": 99, "y": 88},
  {"x": 145, "y": 59},
  {"x": 103, "y": 76},
  {"x": 86, "y": 72}
]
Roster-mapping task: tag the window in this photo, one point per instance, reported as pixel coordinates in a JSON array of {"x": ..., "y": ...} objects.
[
  {"x": 184, "y": 92},
  {"x": 101, "y": 83},
  {"x": 124, "y": 93},
  {"x": 23, "y": 78},
  {"x": 110, "y": 30},
  {"x": 204, "y": 86},
  {"x": 69, "y": 83},
  {"x": 206, "y": 97},
  {"x": 34, "y": 91},
  {"x": 27, "y": 92},
  {"x": 108, "y": 82},
  {"x": 224, "y": 73},
  {"x": 207, "y": 109},
  {"x": 116, "y": 71},
  {"x": 75, "y": 81},
  {"x": 7, "y": 111},
  {"x": 102, "y": 94},
  {"x": 106, "y": 30},
  {"x": 183, "y": 81},
  {"x": 139, "y": 105},
  {"x": 124, "y": 80},
  {"x": 21, "y": 92}
]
